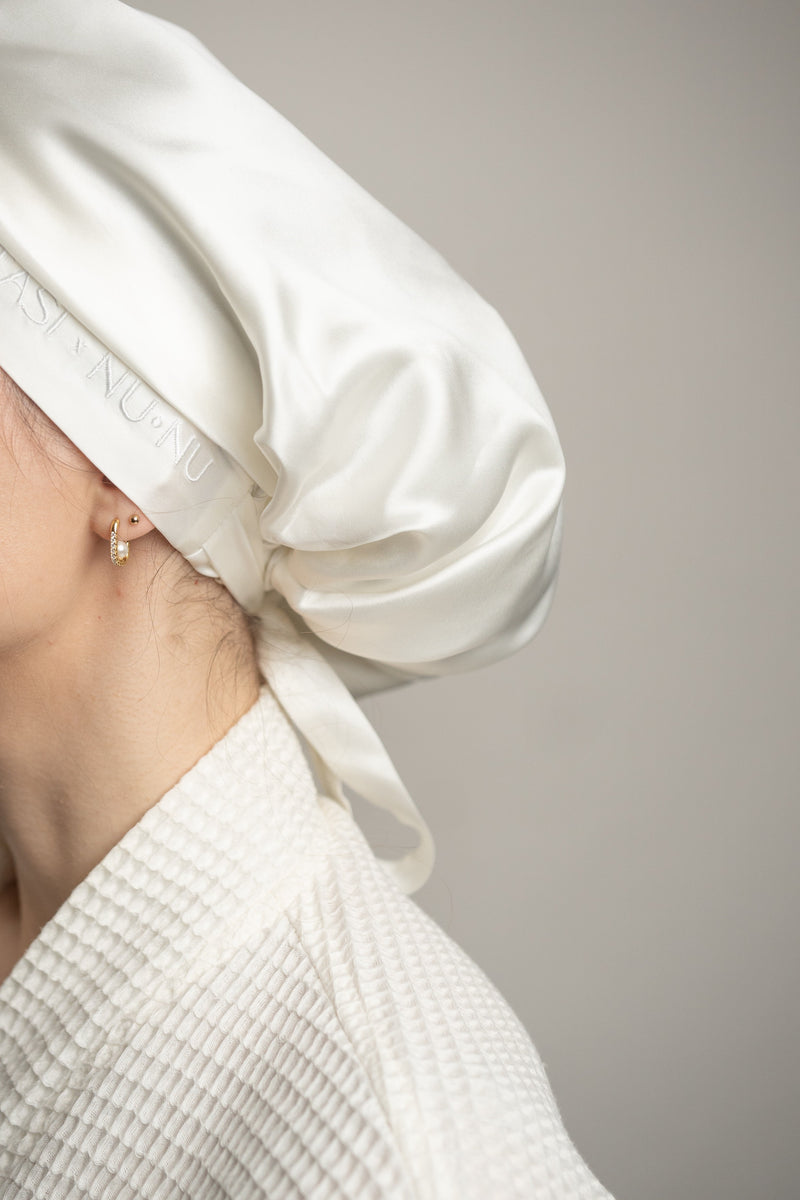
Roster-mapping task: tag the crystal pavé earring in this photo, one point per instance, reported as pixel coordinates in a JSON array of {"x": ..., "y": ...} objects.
[{"x": 119, "y": 549}]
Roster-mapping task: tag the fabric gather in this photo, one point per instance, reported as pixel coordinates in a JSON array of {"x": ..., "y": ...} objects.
[{"x": 304, "y": 397}]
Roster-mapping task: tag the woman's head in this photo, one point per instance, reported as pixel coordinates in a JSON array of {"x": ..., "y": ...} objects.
[
  {"x": 113, "y": 680},
  {"x": 304, "y": 396}
]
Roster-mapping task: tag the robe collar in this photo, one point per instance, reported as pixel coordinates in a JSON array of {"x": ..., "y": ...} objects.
[{"x": 211, "y": 865}]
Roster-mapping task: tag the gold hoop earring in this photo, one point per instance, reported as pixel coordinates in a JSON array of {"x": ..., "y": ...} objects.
[{"x": 119, "y": 549}]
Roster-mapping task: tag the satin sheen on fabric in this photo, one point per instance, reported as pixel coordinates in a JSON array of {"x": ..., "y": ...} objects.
[{"x": 388, "y": 497}]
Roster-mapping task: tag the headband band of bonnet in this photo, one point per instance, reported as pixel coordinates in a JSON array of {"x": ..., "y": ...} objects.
[{"x": 301, "y": 394}]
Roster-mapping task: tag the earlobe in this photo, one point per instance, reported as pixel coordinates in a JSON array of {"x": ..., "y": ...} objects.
[
  {"x": 120, "y": 549},
  {"x": 110, "y": 505},
  {"x": 114, "y": 511},
  {"x": 135, "y": 526}
]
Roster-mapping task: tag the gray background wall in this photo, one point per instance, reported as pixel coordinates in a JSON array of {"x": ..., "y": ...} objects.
[{"x": 616, "y": 807}]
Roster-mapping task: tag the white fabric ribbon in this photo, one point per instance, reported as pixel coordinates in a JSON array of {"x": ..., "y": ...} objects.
[{"x": 336, "y": 729}]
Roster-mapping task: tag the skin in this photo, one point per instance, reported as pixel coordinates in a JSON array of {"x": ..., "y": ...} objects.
[{"x": 113, "y": 681}]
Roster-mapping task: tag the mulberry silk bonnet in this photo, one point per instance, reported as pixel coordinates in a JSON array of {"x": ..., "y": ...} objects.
[{"x": 301, "y": 394}]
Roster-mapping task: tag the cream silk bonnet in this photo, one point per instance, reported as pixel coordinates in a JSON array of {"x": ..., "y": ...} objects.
[{"x": 301, "y": 394}]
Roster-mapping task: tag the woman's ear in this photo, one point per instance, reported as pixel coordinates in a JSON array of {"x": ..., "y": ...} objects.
[{"x": 111, "y": 505}]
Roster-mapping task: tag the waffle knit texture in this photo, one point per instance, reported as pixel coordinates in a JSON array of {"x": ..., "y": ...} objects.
[{"x": 238, "y": 1002}]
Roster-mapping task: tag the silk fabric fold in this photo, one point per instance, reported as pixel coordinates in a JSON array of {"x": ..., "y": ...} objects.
[{"x": 304, "y": 397}]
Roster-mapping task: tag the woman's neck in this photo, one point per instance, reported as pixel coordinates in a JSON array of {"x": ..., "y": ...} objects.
[{"x": 97, "y": 722}]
